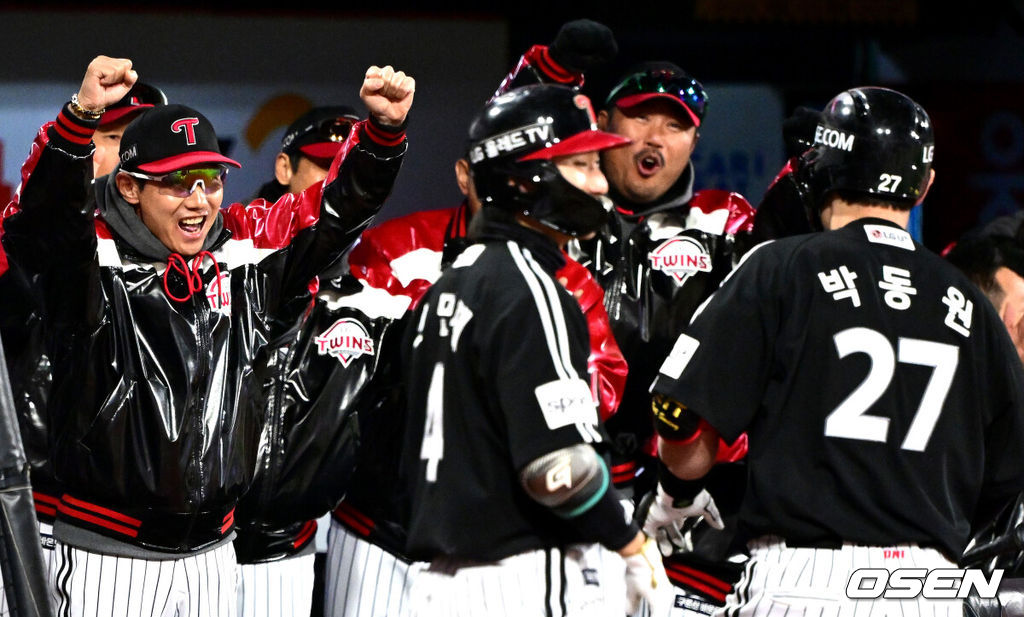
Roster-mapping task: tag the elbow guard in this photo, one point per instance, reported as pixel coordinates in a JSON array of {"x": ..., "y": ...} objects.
[
  {"x": 569, "y": 481},
  {"x": 673, "y": 421}
]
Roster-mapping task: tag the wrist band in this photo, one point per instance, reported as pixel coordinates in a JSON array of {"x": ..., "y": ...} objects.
[
  {"x": 82, "y": 112},
  {"x": 677, "y": 488}
]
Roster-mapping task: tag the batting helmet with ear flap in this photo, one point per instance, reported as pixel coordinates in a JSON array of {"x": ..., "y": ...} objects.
[
  {"x": 873, "y": 141},
  {"x": 512, "y": 142}
]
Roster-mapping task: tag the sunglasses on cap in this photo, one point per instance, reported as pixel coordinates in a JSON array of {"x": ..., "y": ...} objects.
[
  {"x": 184, "y": 182},
  {"x": 668, "y": 83},
  {"x": 325, "y": 129},
  {"x": 334, "y": 129}
]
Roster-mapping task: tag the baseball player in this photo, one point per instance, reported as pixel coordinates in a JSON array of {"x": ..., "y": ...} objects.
[
  {"x": 320, "y": 372},
  {"x": 501, "y": 444},
  {"x": 881, "y": 394},
  {"x": 28, "y": 363},
  {"x": 307, "y": 149},
  {"x": 158, "y": 304},
  {"x": 367, "y": 570},
  {"x": 664, "y": 250}
]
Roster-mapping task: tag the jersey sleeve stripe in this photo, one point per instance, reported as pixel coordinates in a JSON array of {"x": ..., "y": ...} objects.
[
  {"x": 551, "y": 293},
  {"x": 557, "y": 342}
]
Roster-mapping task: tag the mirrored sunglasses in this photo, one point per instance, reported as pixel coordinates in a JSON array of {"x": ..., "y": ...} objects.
[
  {"x": 688, "y": 90},
  {"x": 334, "y": 129},
  {"x": 184, "y": 182}
]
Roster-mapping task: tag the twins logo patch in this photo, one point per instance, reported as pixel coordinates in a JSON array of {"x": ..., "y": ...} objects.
[
  {"x": 680, "y": 257},
  {"x": 218, "y": 293},
  {"x": 346, "y": 340}
]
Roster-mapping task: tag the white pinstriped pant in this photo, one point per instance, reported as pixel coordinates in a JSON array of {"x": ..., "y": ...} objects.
[
  {"x": 361, "y": 578},
  {"x": 46, "y": 535},
  {"x": 87, "y": 584},
  {"x": 282, "y": 588},
  {"x": 811, "y": 582},
  {"x": 536, "y": 583}
]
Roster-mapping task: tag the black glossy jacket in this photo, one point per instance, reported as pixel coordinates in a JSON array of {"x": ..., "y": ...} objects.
[{"x": 155, "y": 402}]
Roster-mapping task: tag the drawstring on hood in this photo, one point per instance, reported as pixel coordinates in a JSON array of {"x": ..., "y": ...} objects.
[{"x": 193, "y": 279}]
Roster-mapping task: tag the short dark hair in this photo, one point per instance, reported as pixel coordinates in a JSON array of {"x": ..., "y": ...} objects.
[{"x": 980, "y": 256}]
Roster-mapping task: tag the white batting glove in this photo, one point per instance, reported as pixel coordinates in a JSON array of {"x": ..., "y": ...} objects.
[
  {"x": 646, "y": 580},
  {"x": 665, "y": 517}
]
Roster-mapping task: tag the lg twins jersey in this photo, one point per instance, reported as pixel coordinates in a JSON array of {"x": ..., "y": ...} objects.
[
  {"x": 880, "y": 391},
  {"x": 497, "y": 351}
]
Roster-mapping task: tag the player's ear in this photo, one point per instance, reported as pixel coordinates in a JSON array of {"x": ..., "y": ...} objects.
[
  {"x": 462, "y": 177},
  {"x": 931, "y": 178},
  {"x": 128, "y": 187},
  {"x": 283, "y": 169},
  {"x": 602, "y": 120}
]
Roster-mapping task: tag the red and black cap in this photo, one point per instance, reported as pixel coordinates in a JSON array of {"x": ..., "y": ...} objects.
[
  {"x": 141, "y": 97},
  {"x": 660, "y": 80},
  {"x": 170, "y": 137},
  {"x": 319, "y": 132},
  {"x": 537, "y": 123},
  {"x": 512, "y": 142}
]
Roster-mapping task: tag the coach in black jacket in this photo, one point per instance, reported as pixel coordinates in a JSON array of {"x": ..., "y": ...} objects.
[{"x": 157, "y": 310}]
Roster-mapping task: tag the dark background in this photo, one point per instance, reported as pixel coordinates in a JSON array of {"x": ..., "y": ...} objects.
[{"x": 964, "y": 62}]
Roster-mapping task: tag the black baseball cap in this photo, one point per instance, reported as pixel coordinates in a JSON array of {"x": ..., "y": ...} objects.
[
  {"x": 661, "y": 80},
  {"x": 170, "y": 137},
  {"x": 319, "y": 132},
  {"x": 141, "y": 97}
]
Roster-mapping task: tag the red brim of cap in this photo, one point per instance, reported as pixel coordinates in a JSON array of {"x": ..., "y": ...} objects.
[
  {"x": 113, "y": 115},
  {"x": 321, "y": 150},
  {"x": 184, "y": 161},
  {"x": 586, "y": 141},
  {"x": 635, "y": 99}
]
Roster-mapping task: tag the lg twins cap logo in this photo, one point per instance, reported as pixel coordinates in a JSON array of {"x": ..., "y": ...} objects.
[
  {"x": 188, "y": 126},
  {"x": 346, "y": 340},
  {"x": 681, "y": 257}
]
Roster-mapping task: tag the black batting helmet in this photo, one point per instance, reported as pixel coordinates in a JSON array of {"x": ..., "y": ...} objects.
[
  {"x": 871, "y": 141},
  {"x": 515, "y": 137}
]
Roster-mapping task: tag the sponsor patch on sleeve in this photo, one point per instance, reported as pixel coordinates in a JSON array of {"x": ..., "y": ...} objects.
[
  {"x": 883, "y": 234},
  {"x": 566, "y": 402},
  {"x": 679, "y": 357}
]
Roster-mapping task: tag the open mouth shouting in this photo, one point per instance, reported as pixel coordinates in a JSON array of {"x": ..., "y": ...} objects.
[
  {"x": 193, "y": 225},
  {"x": 648, "y": 162}
]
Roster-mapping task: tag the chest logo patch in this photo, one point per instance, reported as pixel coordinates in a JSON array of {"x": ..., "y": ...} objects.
[
  {"x": 218, "y": 293},
  {"x": 346, "y": 340},
  {"x": 680, "y": 257}
]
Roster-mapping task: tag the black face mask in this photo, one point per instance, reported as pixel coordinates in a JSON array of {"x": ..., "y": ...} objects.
[{"x": 564, "y": 207}]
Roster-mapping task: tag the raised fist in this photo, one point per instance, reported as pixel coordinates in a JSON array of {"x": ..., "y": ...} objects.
[{"x": 387, "y": 94}]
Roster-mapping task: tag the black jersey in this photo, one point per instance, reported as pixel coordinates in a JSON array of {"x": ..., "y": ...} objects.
[
  {"x": 879, "y": 389},
  {"x": 497, "y": 352}
]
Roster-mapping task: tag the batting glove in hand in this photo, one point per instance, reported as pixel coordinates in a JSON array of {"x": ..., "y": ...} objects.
[
  {"x": 663, "y": 518},
  {"x": 646, "y": 580},
  {"x": 582, "y": 44}
]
